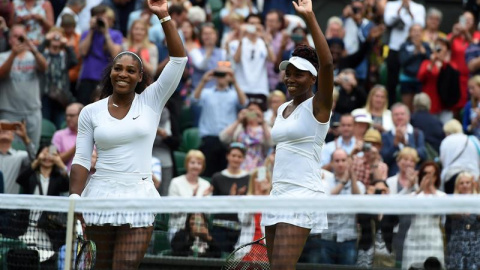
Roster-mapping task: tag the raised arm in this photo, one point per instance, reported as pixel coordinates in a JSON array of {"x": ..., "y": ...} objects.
[{"x": 322, "y": 101}]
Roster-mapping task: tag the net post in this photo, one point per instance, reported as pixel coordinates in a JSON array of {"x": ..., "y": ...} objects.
[{"x": 69, "y": 239}]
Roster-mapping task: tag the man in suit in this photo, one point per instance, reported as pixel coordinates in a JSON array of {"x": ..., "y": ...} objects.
[{"x": 401, "y": 136}]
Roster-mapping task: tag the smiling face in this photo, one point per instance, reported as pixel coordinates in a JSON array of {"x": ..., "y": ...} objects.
[
  {"x": 464, "y": 185},
  {"x": 235, "y": 158},
  {"x": 45, "y": 158},
  {"x": 195, "y": 166},
  {"x": 378, "y": 99},
  {"x": 298, "y": 82},
  {"x": 139, "y": 31},
  {"x": 125, "y": 74}
]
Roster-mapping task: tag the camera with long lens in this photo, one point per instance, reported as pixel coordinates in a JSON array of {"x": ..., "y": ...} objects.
[
  {"x": 100, "y": 23},
  {"x": 367, "y": 147}
]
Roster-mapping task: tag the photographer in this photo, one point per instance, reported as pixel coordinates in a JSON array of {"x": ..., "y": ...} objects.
[
  {"x": 351, "y": 96},
  {"x": 56, "y": 84}
]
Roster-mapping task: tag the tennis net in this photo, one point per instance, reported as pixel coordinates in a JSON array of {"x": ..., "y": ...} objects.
[{"x": 225, "y": 232}]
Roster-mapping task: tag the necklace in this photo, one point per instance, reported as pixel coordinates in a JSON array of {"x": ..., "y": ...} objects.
[{"x": 117, "y": 106}]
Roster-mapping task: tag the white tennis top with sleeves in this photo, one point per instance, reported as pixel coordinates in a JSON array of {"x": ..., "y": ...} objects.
[
  {"x": 299, "y": 139},
  {"x": 125, "y": 145}
]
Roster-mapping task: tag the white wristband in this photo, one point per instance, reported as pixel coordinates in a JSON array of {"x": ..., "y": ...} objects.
[
  {"x": 166, "y": 19},
  {"x": 74, "y": 196}
]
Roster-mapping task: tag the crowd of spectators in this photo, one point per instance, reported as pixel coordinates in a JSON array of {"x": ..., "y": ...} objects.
[{"x": 405, "y": 120}]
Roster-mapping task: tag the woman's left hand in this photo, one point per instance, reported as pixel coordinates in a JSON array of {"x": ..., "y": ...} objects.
[
  {"x": 303, "y": 7},
  {"x": 158, "y": 7},
  {"x": 58, "y": 160}
]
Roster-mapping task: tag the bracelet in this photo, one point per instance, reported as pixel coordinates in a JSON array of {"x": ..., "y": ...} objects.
[{"x": 166, "y": 19}]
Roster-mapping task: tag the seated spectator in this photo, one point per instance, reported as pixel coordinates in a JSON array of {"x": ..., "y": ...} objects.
[
  {"x": 471, "y": 111},
  {"x": 12, "y": 161},
  {"x": 405, "y": 181},
  {"x": 411, "y": 55},
  {"x": 463, "y": 244},
  {"x": 251, "y": 130},
  {"x": 232, "y": 181},
  {"x": 65, "y": 139},
  {"x": 275, "y": 99},
  {"x": 402, "y": 135},
  {"x": 458, "y": 153},
  {"x": 219, "y": 109},
  {"x": 188, "y": 185},
  {"x": 362, "y": 123},
  {"x": 339, "y": 241},
  {"x": 426, "y": 122},
  {"x": 350, "y": 97},
  {"x": 432, "y": 27},
  {"x": 137, "y": 42},
  {"x": 20, "y": 72},
  {"x": 424, "y": 237},
  {"x": 377, "y": 107},
  {"x": 97, "y": 47},
  {"x": 72, "y": 7},
  {"x": 195, "y": 240},
  {"x": 346, "y": 141},
  {"x": 367, "y": 164},
  {"x": 56, "y": 83},
  {"x": 47, "y": 176},
  {"x": 334, "y": 28},
  {"x": 36, "y": 16}
]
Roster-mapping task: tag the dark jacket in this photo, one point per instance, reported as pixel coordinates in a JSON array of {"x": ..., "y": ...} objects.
[
  {"x": 431, "y": 126},
  {"x": 409, "y": 60},
  {"x": 58, "y": 183},
  {"x": 182, "y": 246}
]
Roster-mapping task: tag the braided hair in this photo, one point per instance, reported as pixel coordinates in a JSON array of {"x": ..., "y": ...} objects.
[{"x": 308, "y": 53}]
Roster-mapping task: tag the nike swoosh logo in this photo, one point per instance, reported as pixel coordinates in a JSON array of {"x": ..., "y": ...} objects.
[
  {"x": 136, "y": 117},
  {"x": 144, "y": 178}
]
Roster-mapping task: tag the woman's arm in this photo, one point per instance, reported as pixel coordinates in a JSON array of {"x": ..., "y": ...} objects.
[
  {"x": 83, "y": 154},
  {"x": 322, "y": 101}
]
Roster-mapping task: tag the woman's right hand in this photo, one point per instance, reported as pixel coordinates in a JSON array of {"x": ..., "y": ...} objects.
[
  {"x": 158, "y": 7},
  {"x": 303, "y": 7}
]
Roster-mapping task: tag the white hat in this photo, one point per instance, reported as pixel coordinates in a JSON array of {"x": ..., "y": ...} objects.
[
  {"x": 362, "y": 117},
  {"x": 300, "y": 63}
]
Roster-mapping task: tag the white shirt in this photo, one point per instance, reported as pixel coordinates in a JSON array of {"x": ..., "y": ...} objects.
[
  {"x": 333, "y": 145},
  {"x": 398, "y": 36},
  {"x": 468, "y": 161},
  {"x": 85, "y": 15}
]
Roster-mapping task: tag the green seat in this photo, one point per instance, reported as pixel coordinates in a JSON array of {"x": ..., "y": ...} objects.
[
  {"x": 18, "y": 145},
  {"x": 190, "y": 140},
  {"x": 179, "y": 158},
  {"x": 186, "y": 118},
  {"x": 161, "y": 221},
  {"x": 48, "y": 129},
  {"x": 160, "y": 242},
  {"x": 5, "y": 245},
  {"x": 382, "y": 71}
]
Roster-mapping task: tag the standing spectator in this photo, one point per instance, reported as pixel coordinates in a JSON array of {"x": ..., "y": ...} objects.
[
  {"x": 64, "y": 140},
  {"x": 36, "y": 16},
  {"x": 73, "y": 40},
  {"x": 219, "y": 109},
  {"x": 471, "y": 112},
  {"x": 137, "y": 42},
  {"x": 377, "y": 108},
  {"x": 339, "y": 241},
  {"x": 250, "y": 55},
  {"x": 122, "y": 10},
  {"x": 399, "y": 15},
  {"x": 275, "y": 99},
  {"x": 426, "y": 122},
  {"x": 236, "y": 21},
  {"x": 20, "y": 71},
  {"x": 458, "y": 153},
  {"x": 404, "y": 182},
  {"x": 12, "y": 161},
  {"x": 73, "y": 7},
  {"x": 351, "y": 96},
  {"x": 463, "y": 248},
  {"x": 432, "y": 24},
  {"x": 363, "y": 122},
  {"x": 424, "y": 237},
  {"x": 56, "y": 83},
  {"x": 4, "y": 32},
  {"x": 411, "y": 55},
  {"x": 97, "y": 47},
  {"x": 346, "y": 140},
  {"x": 335, "y": 28},
  {"x": 367, "y": 164},
  {"x": 84, "y": 16},
  {"x": 190, "y": 34},
  {"x": 240, "y": 7},
  {"x": 274, "y": 25},
  {"x": 402, "y": 135}
]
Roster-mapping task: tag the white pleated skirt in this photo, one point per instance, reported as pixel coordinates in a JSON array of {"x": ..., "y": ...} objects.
[
  {"x": 128, "y": 186},
  {"x": 316, "y": 221}
]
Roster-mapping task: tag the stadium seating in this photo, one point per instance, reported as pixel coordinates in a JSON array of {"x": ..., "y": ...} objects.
[
  {"x": 48, "y": 129},
  {"x": 190, "y": 140}
]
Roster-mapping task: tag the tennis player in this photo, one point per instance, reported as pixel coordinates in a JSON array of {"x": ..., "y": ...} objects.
[
  {"x": 299, "y": 132},
  {"x": 122, "y": 126}
]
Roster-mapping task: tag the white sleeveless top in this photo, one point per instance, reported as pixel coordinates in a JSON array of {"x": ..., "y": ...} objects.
[{"x": 299, "y": 139}]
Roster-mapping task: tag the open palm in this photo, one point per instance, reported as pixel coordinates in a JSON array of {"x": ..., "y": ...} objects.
[
  {"x": 303, "y": 6},
  {"x": 158, "y": 6}
]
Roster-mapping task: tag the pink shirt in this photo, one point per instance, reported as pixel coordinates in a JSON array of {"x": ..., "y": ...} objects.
[{"x": 64, "y": 140}]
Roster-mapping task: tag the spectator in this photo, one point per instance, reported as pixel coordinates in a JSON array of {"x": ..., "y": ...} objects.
[
  {"x": 195, "y": 240},
  {"x": 36, "y": 16},
  {"x": 178, "y": 13},
  {"x": 428, "y": 74},
  {"x": 471, "y": 112},
  {"x": 122, "y": 10},
  {"x": 424, "y": 237},
  {"x": 333, "y": 131},
  {"x": 426, "y": 122},
  {"x": 12, "y": 161},
  {"x": 346, "y": 140},
  {"x": 85, "y": 17},
  {"x": 4, "y": 32},
  {"x": 275, "y": 99},
  {"x": 339, "y": 241},
  {"x": 20, "y": 72},
  {"x": 236, "y": 21},
  {"x": 351, "y": 96},
  {"x": 240, "y": 7},
  {"x": 191, "y": 36},
  {"x": 97, "y": 47},
  {"x": 188, "y": 185},
  {"x": 335, "y": 28},
  {"x": 377, "y": 108},
  {"x": 219, "y": 109},
  {"x": 367, "y": 164},
  {"x": 399, "y": 15},
  {"x": 405, "y": 181},
  {"x": 137, "y": 42},
  {"x": 402, "y": 135},
  {"x": 464, "y": 244},
  {"x": 73, "y": 40},
  {"x": 458, "y": 153},
  {"x": 250, "y": 55},
  {"x": 274, "y": 25},
  {"x": 432, "y": 25},
  {"x": 251, "y": 130},
  {"x": 7, "y": 12},
  {"x": 363, "y": 122},
  {"x": 411, "y": 55},
  {"x": 73, "y": 7},
  {"x": 56, "y": 83},
  {"x": 196, "y": 15},
  {"x": 232, "y": 181},
  {"x": 64, "y": 140},
  {"x": 145, "y": 14}
]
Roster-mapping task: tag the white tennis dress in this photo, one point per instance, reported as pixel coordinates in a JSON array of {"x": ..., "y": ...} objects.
[
  {"x": 297, "y": 172},
  {"x": 124, "y": 148}
]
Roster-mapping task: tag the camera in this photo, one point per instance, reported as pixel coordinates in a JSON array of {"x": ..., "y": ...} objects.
[
  {"x": 355, "y": 10},
  {"x": 56, "y": 37},
  {"x": 219, "y": 74},
  {"x": 100, "y": 23},
  {"x": 21, "y": 39},
  {"x": 378, "y": 191},
  {"x": 367, "y": 147}
]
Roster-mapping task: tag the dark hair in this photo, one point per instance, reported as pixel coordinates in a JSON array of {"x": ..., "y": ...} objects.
[
  {"x": 106, "y": 83},
  {"x": 195, "y": 31},
  {"x": 187, "y": 222},
  {"x": 237, "y": 145},
  {"x": 374, "y": 182},
  {"x": 443, "y": 41},
  {"x": 252, "y": 15},
  {"x": 281, "y": 17},
  {"x": 421, "y": 172},
  {"x": 307, "y": 53},
  {"x": 43, "y": 145},
  {"x": 68, "y": 20},
  {"x": 98, "y": 10},
  {"x": 176, "y": 9},
  {"x": 336, "y": 41},
  {"x": 304, "y": 30},
  {"x": 202, "y": 28}
]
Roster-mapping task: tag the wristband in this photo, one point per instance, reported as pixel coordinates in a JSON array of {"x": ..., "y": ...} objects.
[
  {"x": 165, "y": 19},
  {"x": 74, "y": 196}
]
